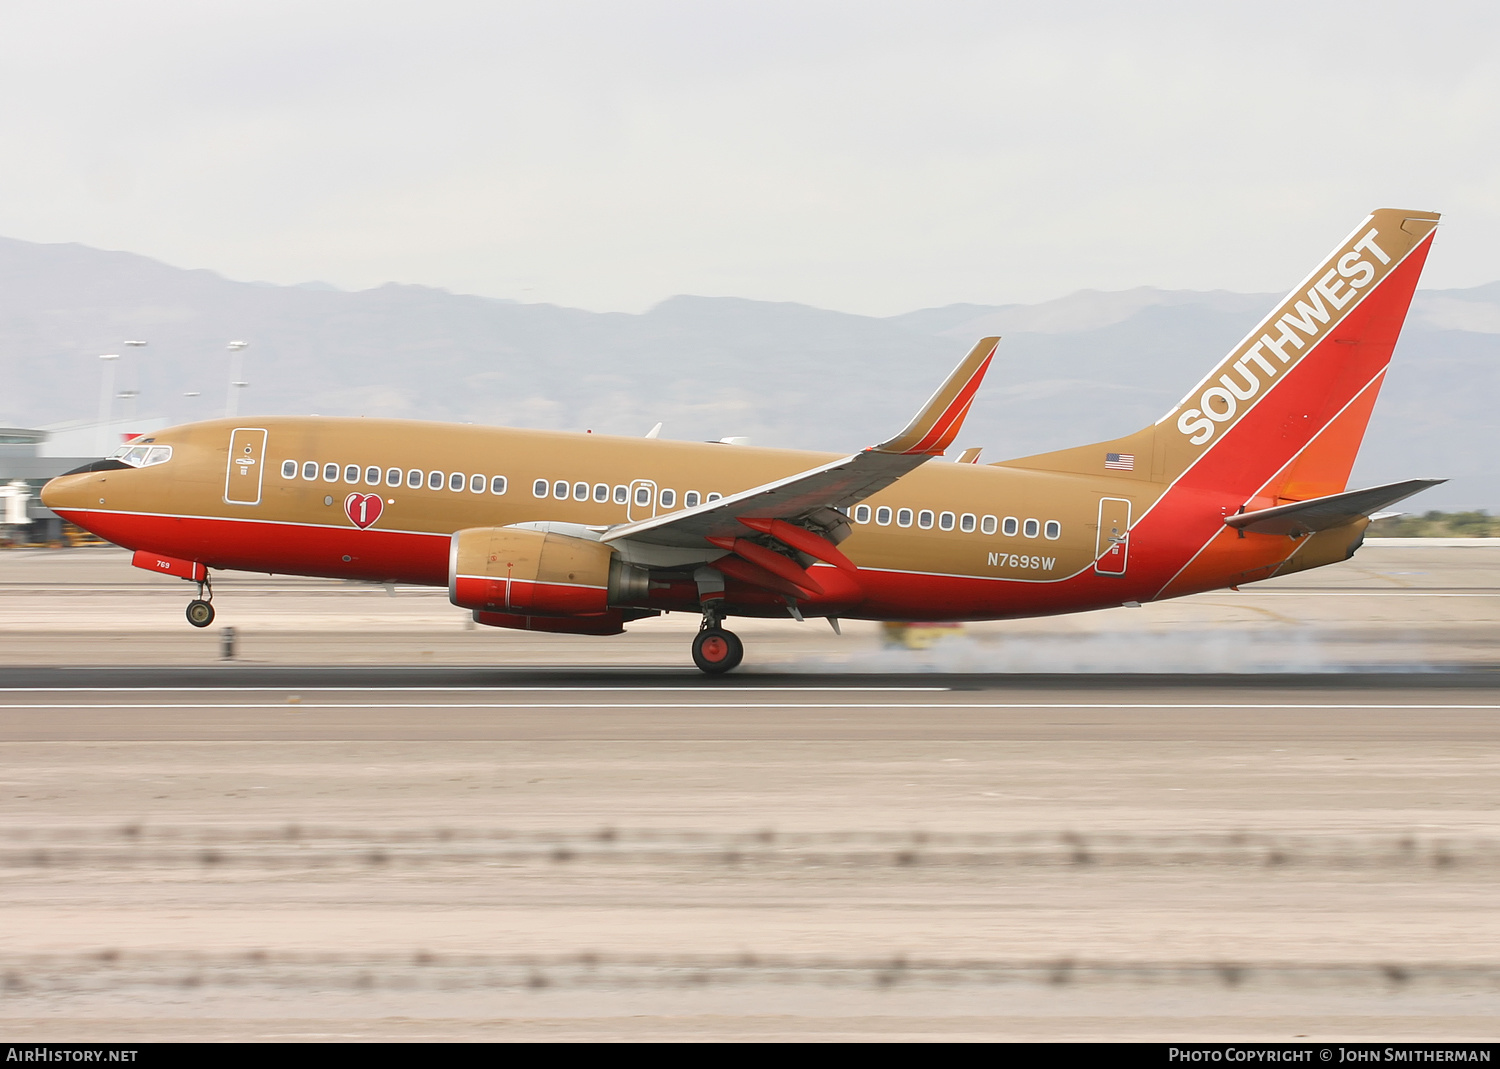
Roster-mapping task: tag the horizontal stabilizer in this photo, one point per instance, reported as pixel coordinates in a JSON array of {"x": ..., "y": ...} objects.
[{"x": 1322, "y": 513}]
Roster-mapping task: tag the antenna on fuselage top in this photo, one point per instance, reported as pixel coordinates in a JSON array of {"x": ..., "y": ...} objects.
[{"x": 654, "y": 431}]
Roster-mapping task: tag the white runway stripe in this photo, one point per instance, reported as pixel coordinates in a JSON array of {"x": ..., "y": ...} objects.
[
  {"x": 476, "y": 689},
  {"x": 736, "y": 705}
]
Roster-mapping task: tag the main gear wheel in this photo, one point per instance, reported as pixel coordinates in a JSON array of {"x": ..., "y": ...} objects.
[{"x": 717, "y": 651}]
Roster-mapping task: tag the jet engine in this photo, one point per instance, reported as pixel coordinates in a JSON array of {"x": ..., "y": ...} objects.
[{"x": 538, "y": 573}]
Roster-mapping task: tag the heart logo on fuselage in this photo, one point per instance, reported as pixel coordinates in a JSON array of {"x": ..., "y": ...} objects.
[{"x": 363, "y": 509}]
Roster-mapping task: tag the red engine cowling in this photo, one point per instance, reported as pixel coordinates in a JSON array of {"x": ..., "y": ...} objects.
[{"x": 517, "y": 572}]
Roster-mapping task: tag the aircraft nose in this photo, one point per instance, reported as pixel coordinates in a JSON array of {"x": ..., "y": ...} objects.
[{"x": 69, "y": 491}]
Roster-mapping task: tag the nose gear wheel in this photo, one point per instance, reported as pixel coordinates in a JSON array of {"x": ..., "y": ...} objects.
[{"x": 200, "y": 613}]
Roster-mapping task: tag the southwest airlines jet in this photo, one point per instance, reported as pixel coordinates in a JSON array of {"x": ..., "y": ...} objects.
[{"x": 1244, "y": 479}]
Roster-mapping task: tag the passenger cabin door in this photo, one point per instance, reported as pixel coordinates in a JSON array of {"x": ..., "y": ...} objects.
[
  {"x": 642, "y": 505},
  {"x": 247, "y": 457},
  {"x": 1112, "y": 549}
]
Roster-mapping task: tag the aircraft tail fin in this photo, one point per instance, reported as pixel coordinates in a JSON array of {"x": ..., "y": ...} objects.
[{"x": 1283, "y": 415}]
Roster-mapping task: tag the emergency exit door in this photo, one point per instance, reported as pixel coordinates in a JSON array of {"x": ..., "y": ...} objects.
[
  {"x": 247, "y": 462},
  {"x": 1112, "y": 550}
]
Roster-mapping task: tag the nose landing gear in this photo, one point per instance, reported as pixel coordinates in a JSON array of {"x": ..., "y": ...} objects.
[{"x": 200, "y": 611}]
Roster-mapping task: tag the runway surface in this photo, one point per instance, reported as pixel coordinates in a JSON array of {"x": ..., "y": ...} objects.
[
  {"x": 304, "y": 853},
  {"x": 196, "y": 848}
]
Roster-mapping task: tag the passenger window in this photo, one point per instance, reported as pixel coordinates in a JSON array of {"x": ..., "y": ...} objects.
[
  {"x": 497, "y": 484},
  {"x": 669, "y": 499},
  {"x": 1032, "y": 529},
  {"x": 393, "y": 476},
  {"x": 435, "y": 480},
  {"x": 1053, "y": 529},
  {"x": 987, "y": 525},
  {"x": 601, "y": 492},
  {"x": 690, "y": 499},
  {"x": 622, "y": 495},
  {"x": 643, "y": 495},
  {"x": 560, "y": 490},
  {"x": 861, "y": 513},
  {"x": 351, "y": 473},
  {"x": 310, "y": 469},
  {"x": 330, "y": 473},
  {"x": 945, "y": 521},
  {"x": 456, "y": 482},
  {"x": 1010, "y": 527},
  {"x": 903, "y": 517},
  {"x": 924, "y": 519},
  {"x": 372, "y": 476},
  {"x": 476, "y": 484},
  {"x": 414, "y": 479},
  {"x": 580, "y": 491},
  {"x": 966, "y": 523},
  {"x": 539, "y": 488},
  {"x": 288, "y": 469},
  {"x": 714, "y": 497},
  {"x": 883, "y": 515}
]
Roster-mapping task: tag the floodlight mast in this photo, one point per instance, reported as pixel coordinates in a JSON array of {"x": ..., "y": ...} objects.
[
  {"x": 236, "y": 369},
  {"x": 106, "y": 400}
]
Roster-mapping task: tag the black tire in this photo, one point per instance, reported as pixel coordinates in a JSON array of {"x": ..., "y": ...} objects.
[
  {"x": 200, "y": 613},
  {"x": 717, "y": 651}
]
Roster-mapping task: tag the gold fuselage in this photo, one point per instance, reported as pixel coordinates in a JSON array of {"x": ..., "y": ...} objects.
[{"x": 300, "y": 525}]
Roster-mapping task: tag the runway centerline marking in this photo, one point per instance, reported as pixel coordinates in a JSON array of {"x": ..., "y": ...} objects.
[
  {"x": 736, "y": 705},
  {"x": 292, "y": 688}
]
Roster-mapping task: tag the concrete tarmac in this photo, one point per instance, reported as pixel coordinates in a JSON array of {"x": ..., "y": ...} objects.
[{"x": 389, "y": 850}]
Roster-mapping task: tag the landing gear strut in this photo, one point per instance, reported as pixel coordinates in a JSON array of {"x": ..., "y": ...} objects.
[
  {"x": 200, "y": 611},
  {"x": 716, "y": 650}
]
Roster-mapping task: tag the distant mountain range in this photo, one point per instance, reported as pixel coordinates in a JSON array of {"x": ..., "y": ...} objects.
[{"x": 1086, "y": 367}]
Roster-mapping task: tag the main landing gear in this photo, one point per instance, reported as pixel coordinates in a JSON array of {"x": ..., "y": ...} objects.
[
  {"x": 716, "y": 650},
  {"x": 200, "y": 611}
]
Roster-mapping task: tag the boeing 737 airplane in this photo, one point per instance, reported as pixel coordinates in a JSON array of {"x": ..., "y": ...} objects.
[{"x": 1244, "y": 479}]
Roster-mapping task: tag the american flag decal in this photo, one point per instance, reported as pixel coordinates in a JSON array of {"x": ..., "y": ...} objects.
[{"x": 1120, "y": 461}]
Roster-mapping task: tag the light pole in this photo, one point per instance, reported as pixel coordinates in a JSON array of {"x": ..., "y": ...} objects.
[
  {"x": 236, "y": 369},
  {"x": 129, "y": 397},
  {"x": 129, "y": 394},
  {"x": 106, "y": 398}
]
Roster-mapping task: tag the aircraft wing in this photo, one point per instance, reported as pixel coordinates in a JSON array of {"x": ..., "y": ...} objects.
[
  {"x": 1321, "y": 513},
  {"x": 836, "y": 485}
]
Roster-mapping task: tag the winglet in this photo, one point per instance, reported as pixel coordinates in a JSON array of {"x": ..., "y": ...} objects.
[{"x": 934, "y": 428}]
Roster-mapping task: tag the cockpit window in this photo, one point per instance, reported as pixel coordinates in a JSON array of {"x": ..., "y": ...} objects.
[{"x": 143, "y": 456}]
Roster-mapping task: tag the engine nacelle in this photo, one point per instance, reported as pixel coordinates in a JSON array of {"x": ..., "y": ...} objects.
[{"x": 537, "y": 573}]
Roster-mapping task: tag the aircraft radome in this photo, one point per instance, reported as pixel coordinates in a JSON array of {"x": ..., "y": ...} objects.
[{"x": 1243, "y": 479}]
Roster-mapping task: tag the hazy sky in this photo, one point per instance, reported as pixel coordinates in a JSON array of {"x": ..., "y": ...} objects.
[{"x": 862, "y": 156}]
